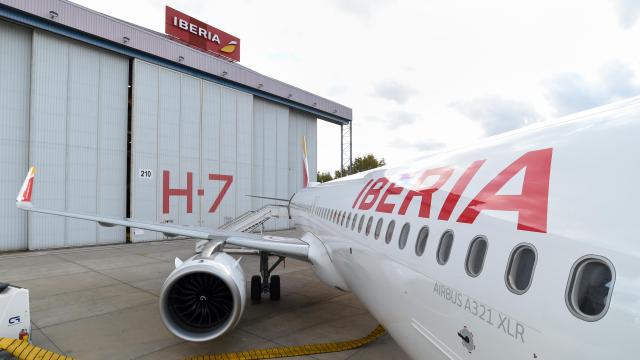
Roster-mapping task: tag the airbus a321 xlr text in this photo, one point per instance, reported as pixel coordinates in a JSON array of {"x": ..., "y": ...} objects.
[{"x": 523, "y": 246}]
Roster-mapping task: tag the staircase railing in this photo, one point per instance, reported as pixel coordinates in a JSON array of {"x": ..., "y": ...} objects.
[{"x": 251, "y": 220}]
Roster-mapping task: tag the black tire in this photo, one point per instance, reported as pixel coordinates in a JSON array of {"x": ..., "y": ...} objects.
[
  {"x": 274, "y": 288},
  {"x": 256, "y": 288}
]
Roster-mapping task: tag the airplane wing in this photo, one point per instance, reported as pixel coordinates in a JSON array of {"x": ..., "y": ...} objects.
[{"x": 288, "y": 247}]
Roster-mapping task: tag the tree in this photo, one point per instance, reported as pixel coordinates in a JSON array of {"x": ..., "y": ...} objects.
[
  {"x": 366, "y": 162},
  {"x": 361, "y": 163},
  {"x": 324, "y": 176}
]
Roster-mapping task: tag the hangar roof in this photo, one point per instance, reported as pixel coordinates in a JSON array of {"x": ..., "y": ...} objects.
[{"x": 78, "y": 22}]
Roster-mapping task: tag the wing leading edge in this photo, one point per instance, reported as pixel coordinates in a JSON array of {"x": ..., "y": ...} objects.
[{"x": 289, "y": 247}]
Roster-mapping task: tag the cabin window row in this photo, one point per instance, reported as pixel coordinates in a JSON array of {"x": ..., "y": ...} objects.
[{"x": 588, "y": 290}]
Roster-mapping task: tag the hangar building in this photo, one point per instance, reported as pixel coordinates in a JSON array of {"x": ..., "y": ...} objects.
[{"x": 123, "y": 121}]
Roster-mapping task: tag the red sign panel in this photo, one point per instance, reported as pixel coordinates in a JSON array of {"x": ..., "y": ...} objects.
[{"x": 201, "y": 35}]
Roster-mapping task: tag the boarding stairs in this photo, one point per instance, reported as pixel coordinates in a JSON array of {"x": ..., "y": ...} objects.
[{"x": 254, "y": 219}]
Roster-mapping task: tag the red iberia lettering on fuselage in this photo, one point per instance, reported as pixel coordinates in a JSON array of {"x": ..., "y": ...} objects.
[{"x": 531, "y": 204}]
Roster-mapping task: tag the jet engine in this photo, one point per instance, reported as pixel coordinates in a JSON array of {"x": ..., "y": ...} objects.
[{"x": 204, "y": 297}]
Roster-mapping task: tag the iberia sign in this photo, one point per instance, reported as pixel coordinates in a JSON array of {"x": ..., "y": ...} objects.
[{"x": 201, "y": 35}]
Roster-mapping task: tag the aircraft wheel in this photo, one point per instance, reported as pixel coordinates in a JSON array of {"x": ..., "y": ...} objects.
[
  {"x": 256, "y": 288},
  {"x": 274, "y": 287}
]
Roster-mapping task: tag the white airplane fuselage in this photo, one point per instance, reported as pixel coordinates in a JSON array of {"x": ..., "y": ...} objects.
[{"x": 567, "y": 189}]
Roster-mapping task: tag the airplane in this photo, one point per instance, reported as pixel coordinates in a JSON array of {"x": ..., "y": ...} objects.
[{"x": 522, "y": 246}]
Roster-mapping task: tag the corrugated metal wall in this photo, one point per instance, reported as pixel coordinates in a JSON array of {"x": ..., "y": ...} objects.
[
  {"x": 183, "y": 125},
  {"x": 277, "y": 155},
  {"x": 270, "y": 156},
  {"x": 15, "y": 72},
  {"x": 187, "y": 125},
  {"x": 65, "y": 111},
  {"x": 78, "y": 131}
]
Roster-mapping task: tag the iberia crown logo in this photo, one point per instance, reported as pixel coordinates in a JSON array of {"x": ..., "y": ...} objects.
[{"x": 230, "y": 47}]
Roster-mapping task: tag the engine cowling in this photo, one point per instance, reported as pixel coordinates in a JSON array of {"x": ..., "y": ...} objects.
[{"x": 204, "y": 297}]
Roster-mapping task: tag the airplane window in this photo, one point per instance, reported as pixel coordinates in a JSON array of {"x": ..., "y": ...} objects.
[
  {"x": 404, "y": 235},
  {"x": 339, "y": 217},
  {"x": 389, "y": 234},
  {"x": 476, "y": 255},
  {"x": 348, "y": 220},
  {"x": 376, "y": 233},
  {"x": 590, "y": 287},
  {"x": 421, "y": 242},
  {"x": 367, "y": 231},
  {"x": 344, "y": 215},
  {"x": 444, "y": 248},
  {"x": 522, "y": 263},
  {"x": 360, "y": 224},
  {"x": 353, "y": 223}
]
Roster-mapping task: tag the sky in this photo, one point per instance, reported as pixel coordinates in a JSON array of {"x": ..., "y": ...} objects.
[{"x": 422, "y": 76}]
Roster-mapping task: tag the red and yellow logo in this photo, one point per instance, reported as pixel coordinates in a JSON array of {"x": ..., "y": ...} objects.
[{"x": 230, "y": 47}]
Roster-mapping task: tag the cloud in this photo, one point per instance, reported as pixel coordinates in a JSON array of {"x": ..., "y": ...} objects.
[
  {"x": 394, "y": 91},
  {"x": 402, "y": 117},
  {"x": 337, "y": 91},
  {"x": 628, "y": 12},
  {"x": 362, "y": 8},
  {"x": 394, "y": 119},
  {"x": 497, "y": 115},
  {"x": 420, "y": 145},
  {"x": 571, "y": 92}
]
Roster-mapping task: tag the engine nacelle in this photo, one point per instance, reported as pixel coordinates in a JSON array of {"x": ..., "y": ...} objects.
[{"x": 204, "y": 297}]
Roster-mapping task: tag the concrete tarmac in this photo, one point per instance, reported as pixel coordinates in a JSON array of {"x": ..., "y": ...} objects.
[{"x": 102, "y": 303}]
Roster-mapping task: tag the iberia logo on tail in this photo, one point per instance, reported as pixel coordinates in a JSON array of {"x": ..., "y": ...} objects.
[
  {"x": 305, "y": 164},
  {"x": 27, "y": 187}
]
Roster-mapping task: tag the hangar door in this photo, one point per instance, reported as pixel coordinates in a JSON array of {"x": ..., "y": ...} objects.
[
  {"x": 191, "y": 150},
  {"x": 15, "y": 61},
  {"x": 277, "y": 154},
  {"x": 78, "y": 140}
]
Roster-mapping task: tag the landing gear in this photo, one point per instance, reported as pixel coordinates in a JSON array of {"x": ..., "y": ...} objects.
[
  {"x": 256, "y": 287},
  {"x": 265, "y": 283},
  {"x": 274, "y": 288}
]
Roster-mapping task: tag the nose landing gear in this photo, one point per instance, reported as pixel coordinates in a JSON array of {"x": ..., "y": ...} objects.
[{"x": 265, "y": 283}]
